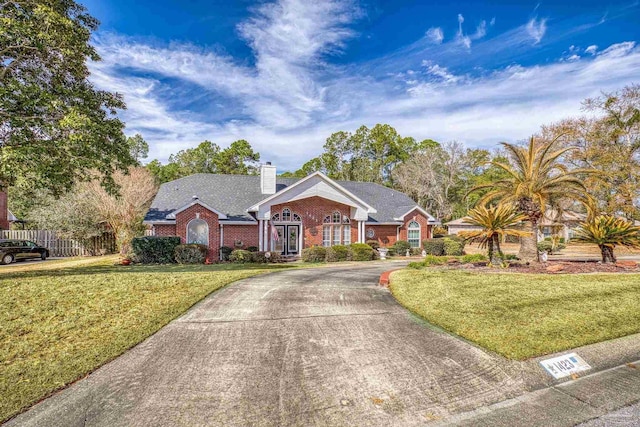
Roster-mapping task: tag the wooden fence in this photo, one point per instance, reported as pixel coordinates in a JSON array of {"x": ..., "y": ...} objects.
[{"x": 59, "y": 247}]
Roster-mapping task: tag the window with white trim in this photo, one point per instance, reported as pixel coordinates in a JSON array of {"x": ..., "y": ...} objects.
[
  {"x": 326, "y": 236},
  {"x": 286, "y": 215},
  {"x": 296, "y": 218},
  {"x": 346, "y": 234},
  {"x": 413, "y": 234},
  {"x": 336, "y": 235},
  {"x": 336, "y": 230},
  {"x": 198, "y": 232},
  {"x": 275, "y": 217}
]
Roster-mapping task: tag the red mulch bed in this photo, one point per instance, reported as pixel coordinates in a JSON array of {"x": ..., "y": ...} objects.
[{"x": 558, "y": 267}]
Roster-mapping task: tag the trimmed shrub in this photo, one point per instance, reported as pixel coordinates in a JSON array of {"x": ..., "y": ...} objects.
[
  {"x": 226, "y": 252},
  {"x": 314, "y": 254},
  {"x": 252, "y": 249},
  {"x": 376, "y": 255},
  {"x": 240, "y": 256},
  {"x": 154, "y": 249},
  {"x": 360, "y": 252},
  {"x": 415, "y": 251},
  {"x": 434, "y": 247},
  {"x": 547, "y": 246},
  {"x": 434, "y": 260},
  {"x": 453, "y": 247},
  {"x": 191, "y": 254},
  {"x": 275, "y": 257},
  {"x": 400, "y": 247},
  {"x": 337, "y": 253},
  {"x": 473, "y": 258},
  {"x": 373, "y": 243},
  {"x": 416, "y": 264},
  {"x": 258, "y": 257}
]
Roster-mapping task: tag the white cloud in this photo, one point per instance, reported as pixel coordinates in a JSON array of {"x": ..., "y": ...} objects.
[
  {"x": 481, "y": 30},
  {"x": 591, "y": 49},
  {"x": 460, "y": 37},
  {"x": 536, "y": 29},
  {"x": 292, "y": 99},
  {"x": 618, "y": 49},
  {"x": 435, "y": 34}
]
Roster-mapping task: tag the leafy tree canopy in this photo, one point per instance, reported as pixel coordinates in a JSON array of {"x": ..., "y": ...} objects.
[
  {"x": 237, "y": 159},
  {"x": 54, "y": 125}
]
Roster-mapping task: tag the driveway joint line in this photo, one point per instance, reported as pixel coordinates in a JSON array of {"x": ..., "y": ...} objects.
[{"x": 289, "y": 318}]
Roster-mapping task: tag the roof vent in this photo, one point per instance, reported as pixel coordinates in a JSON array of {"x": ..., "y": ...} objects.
[{"x": 195, "y": 198}]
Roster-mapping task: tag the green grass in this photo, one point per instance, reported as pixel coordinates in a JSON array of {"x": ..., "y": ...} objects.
[
  {"x": 61, "y": 320},
  {"x": 523, "y": 315}
]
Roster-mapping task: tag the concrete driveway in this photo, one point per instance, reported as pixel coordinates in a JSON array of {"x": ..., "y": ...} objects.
[{"x": 323, "y": 346}]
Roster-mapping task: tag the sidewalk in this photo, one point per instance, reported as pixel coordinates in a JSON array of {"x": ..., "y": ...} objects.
[{"x": 566, "y": 404}]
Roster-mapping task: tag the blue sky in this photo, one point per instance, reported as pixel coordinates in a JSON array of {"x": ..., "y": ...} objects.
[{"x": 286, "y": 74}]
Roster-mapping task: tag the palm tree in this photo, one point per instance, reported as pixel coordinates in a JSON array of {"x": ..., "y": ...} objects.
[
  {"x": 536, "y": 180},
  {"x": 607, "y": 232},
  {"x": 495, "y": 222}
]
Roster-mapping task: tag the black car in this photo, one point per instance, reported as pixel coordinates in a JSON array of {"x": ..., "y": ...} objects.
[{"x": 14, "y": 250}]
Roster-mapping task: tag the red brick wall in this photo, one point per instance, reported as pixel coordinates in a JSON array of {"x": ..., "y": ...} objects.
[
  {"x": 183, "y": 218},
  {"x": 4, "y": 222},
  {"x": 425, "y": 228},
  {"x": 165, "y": 230},
  {"x": 384, "y": 234},
  {"x": 312, "y": 212},
  {"x": 247, "y": 233}
]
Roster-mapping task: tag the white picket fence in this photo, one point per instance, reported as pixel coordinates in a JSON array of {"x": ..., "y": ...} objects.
[{"x": 59, "y": 247}]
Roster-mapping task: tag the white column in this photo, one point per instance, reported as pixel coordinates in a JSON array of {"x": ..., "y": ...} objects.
[
  {"x": 359, "y": 231},
  {"x": 221, "y": 239},
  {"x": 265, "y": 238},
  {"x": 260, "y": 238}
]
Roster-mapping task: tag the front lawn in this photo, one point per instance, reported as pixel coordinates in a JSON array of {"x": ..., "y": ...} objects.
[
  {"x": 523, "y": 315},
  {"x": 61, "y": 320}
]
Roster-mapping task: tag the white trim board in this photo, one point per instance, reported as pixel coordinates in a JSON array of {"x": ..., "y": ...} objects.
[
  {"x": 315, "y": 185},
  {"x": 173, "y": 214}
]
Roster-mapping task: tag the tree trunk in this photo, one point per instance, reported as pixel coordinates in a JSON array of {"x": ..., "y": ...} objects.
[
  {"x": 497, "y": 243},
  {"x": 529, "y": 244},
  {"x": 607, "y": 254},
  {"x": 494, "y": 258}
]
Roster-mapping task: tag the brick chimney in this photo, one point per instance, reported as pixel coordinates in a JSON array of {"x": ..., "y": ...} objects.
[
  {"x": 4, "y": 211},
  {"x": 268, "y": 178}
]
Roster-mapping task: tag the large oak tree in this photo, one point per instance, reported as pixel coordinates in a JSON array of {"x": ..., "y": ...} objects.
[{"x": 55, "y": 126}]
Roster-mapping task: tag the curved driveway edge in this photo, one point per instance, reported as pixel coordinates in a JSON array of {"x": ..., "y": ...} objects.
[{"x": 322, "y": 346}]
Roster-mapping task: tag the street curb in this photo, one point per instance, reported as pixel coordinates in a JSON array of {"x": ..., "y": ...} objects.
[{"x": 566, "y": 404}]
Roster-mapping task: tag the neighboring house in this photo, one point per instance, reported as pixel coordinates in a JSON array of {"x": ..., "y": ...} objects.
[
  {"x": 562, "y": 225},
  {"x": 551, "y": 224},
  {"x": 4, "y": 211},
  {"x": 458, "y": 225},
  {"x": 284, "y": 215}
]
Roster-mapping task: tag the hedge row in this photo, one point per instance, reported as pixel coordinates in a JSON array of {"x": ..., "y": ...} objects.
[
  {"x": 352, "y": 252},
  {"x": 168, "y": 250},
  {"x": 241, "y": 256}
]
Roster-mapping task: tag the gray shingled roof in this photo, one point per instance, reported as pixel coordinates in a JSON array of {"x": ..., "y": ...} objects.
[{"x": 234, "y": 194}]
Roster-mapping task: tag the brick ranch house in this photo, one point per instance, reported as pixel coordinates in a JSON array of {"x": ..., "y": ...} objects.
[{"x": 284, "y": 215}]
